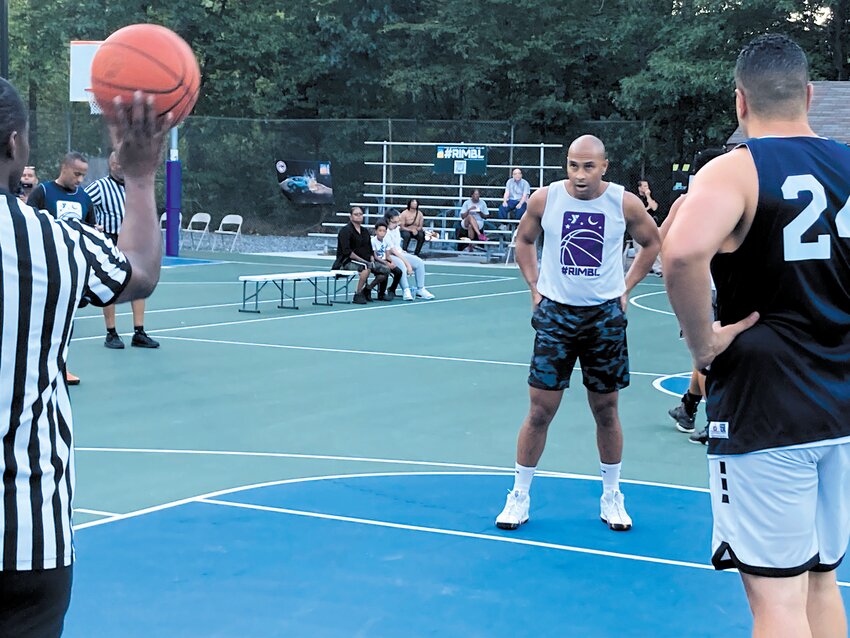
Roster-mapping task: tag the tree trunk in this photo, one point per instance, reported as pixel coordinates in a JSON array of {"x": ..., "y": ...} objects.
[
  {"x": 839, "y": 33},
  {"x": 33, "y": 111}
]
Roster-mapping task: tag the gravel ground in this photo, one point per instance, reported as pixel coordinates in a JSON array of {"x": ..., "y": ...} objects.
[{"x": 278, "y": 244}]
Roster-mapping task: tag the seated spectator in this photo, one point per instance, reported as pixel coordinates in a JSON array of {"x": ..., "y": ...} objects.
[
  {"x": 407, "y": 263},
  {"x": 354, "y": 252},
  {"x": 515, "y": 199},
  {"x": 473, "y": 215},
  {"x": 382, "y": 261},
  {"x": 411, "y": 223}
]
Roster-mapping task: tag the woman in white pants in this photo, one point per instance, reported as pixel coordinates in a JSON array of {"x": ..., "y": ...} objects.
[{"x": 409, "y": 264}]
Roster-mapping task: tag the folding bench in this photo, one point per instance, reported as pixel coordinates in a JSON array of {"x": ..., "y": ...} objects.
[{"x": 335, "y": 281}]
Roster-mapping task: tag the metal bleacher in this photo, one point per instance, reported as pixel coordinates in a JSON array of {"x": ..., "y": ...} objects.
[{"x": 440, "y": 195}]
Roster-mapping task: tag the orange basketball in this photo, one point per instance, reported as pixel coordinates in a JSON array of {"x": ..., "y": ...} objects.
[{"x": 149, "y": 58}]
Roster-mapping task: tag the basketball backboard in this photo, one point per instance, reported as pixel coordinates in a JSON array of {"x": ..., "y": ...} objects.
[{"x": 82, "y": 54}]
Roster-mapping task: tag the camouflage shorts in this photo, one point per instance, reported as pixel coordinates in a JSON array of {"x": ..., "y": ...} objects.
[{"x": 593, "y": 335}]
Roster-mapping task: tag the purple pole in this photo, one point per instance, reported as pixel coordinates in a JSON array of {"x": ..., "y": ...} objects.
[{"x": 173, "y": 183}]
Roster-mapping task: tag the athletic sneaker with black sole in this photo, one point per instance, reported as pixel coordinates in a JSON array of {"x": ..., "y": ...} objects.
[
  {"x": 359, "y": 298},
  {"x": 141, "y": 340},
  {"x": 515, "y": 512},
  {"x": 684, "y": 421},
  {"x": 113, "y": 341}
]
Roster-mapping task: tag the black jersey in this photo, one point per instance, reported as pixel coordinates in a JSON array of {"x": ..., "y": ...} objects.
[{"x": 786, "y": 381}]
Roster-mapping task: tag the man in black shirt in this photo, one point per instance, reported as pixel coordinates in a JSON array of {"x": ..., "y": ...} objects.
[{"x": 354, "y": 252}]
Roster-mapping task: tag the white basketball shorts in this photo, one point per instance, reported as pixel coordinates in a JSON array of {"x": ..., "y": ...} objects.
[{"x": 781, "y": 512}]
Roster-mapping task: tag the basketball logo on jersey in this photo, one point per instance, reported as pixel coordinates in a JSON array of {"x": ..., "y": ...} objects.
[
  {"x": 582, "y": 243},
  {"x": 69, "y": 210}
]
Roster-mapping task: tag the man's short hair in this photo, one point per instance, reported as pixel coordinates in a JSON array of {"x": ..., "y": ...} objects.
[
  {"x": 13, "y": 113},
  {"x": 74, "y": 156},
  {"x": 475, "y": 190},
  {"x": 380, "y": 224},
  {"x": 772, "y": 71}
]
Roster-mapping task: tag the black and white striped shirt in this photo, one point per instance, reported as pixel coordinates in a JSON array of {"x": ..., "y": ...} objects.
[
  {"x": 48, "y": 268},
  {"x": 107, "y": 195}
]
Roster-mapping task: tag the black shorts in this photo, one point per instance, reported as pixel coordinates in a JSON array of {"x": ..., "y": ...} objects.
[
  {"x": 593, "y": 335},
  {"x": 33, "y": 603}
]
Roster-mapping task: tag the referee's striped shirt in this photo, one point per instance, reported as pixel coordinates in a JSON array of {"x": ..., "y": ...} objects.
[
  {"x": 48, "y": 268},
  {"x": 107, "y": 195}
]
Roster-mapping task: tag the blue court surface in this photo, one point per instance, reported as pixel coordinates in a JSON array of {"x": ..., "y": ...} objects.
[
  {"x": 171, "y": 262},
  {"x": 406, "y": 554},
  {"x": 336, "y": 472}
]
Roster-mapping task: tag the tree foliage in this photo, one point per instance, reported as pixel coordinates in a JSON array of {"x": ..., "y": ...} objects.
[{"x": 543, "y": 65}]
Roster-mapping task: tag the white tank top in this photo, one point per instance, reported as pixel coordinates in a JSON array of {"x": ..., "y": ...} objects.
[{"x": 582, "y": 263}]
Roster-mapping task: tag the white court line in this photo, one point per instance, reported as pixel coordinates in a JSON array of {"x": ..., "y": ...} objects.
[
  {"x": 363, "y": 459},
  {"x": 457, "y": 533},
  {"x": 634, "y": 302},
  {"x": 430, "y": 272},
  {"x": 383, "y": 354},
  {"x": 657, "y": 383},
  {"x": 328, "y": 312},
  {"x": 84, "y": 510},
  {"x": 253, "y": 486},
  {"x": 239, "y": 303},
  {"x": 212, "y": 496}
]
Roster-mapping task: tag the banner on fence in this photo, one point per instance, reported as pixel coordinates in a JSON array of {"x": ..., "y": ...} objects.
[
  {"x": 305, "y": 181},
  {"x": 461, "y": 160}
]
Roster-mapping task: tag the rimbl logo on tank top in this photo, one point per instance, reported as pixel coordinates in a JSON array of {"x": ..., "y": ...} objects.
[{"x": 582, "y": 243}]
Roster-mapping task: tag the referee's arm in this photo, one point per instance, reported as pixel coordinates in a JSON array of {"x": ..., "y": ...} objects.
[{"x": 138, "y": 136}]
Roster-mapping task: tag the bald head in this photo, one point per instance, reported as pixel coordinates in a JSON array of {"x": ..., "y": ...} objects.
[
  {"x": 586, "y": 165},
  {"x": 587, "y": 146},
  {"x": 115, "y": 167}
]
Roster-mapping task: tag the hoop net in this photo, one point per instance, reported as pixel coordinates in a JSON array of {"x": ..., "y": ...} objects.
[{"x": 94, "y": 107}]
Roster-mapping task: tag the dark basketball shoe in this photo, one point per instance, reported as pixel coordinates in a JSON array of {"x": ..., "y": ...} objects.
[{"x": 141, "y": 340}]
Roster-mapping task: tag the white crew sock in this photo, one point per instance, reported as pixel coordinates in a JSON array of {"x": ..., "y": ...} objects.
[
  {"x": 610, "y": 476},
  {"x": 522, "y": 477}
]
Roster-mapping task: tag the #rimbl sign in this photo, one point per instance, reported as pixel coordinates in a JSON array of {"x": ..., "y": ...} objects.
[{"x": 461, "y": 160}]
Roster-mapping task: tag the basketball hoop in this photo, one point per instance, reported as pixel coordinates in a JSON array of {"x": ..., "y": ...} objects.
[
  {"x": 94, "y": 107},
  {"x": 79, "y": 83}
]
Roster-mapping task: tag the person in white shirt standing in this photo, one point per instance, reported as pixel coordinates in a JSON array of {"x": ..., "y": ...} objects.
[
  {"x": 579, "y": 296},
  {"x": 407, "y": 263}
]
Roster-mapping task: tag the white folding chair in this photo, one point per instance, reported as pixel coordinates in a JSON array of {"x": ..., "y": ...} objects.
[
  {"x": 234, "y": 222},
  {"x": 511, "y": 246},
  {"x": 162, "y": 225},
  {"x": 198, "y": 225}
]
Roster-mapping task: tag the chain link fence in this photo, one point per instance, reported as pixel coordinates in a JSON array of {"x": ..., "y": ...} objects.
[{"x": 229, "y": 163}]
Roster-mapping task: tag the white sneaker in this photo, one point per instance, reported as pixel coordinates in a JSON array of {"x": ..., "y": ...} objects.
[
  {"x": 423, "y": 292},
  {"x": 515, "y": 512},
  {"x": 408, "y": 296},
  {"x": 612, "y": 511}
]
